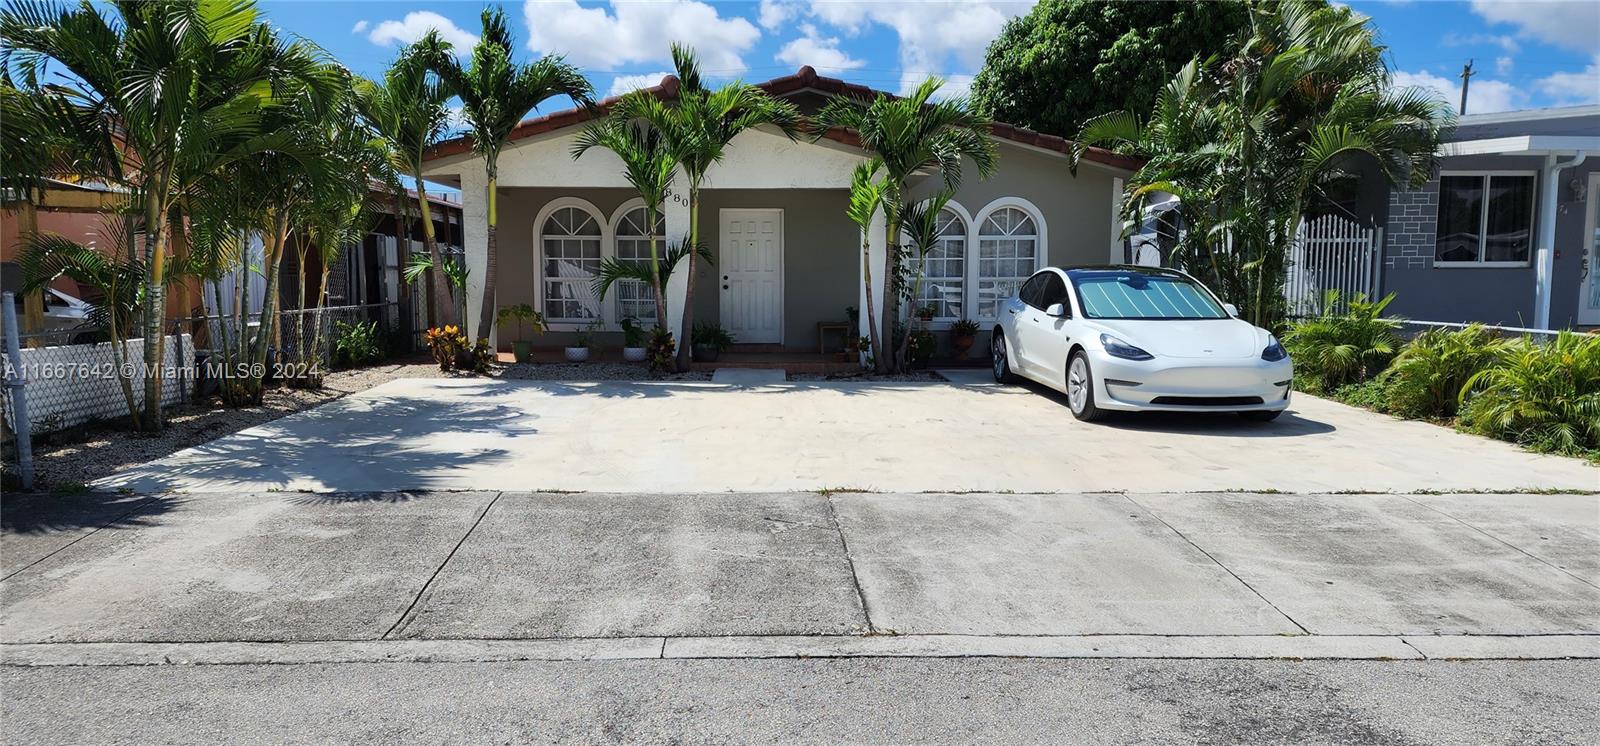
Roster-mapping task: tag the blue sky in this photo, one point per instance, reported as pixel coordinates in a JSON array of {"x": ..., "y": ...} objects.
[{"x": 1527, "y": 54}]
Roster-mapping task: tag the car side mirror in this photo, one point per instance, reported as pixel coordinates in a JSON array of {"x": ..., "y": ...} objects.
[
  {"x": 1232, "y": 310},
  {"x": 1057, "y": 310}
]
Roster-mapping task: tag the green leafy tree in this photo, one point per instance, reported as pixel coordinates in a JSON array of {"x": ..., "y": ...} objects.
[
  {"x": 906, "y": 136},
  {"x": 1252, "y": 137},
  {"x": 496, "y": 92},
  {"x": 1069, "y": 60},
  {"x": 183, "y": 87},
  {"x": 406, "y": 109}
]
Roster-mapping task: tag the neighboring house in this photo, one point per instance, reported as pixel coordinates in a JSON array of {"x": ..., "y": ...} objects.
[
  {"x": 786, "y": 256},
  {"x": 372, "y": 274},
  {"x": 1506, "y": 233}
]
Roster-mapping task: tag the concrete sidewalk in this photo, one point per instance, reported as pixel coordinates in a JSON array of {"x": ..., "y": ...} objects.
[
  {"x": 512, "y": 576},
  {"x": 663, "y": 438}
]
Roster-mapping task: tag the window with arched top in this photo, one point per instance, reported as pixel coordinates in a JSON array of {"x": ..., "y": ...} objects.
[
  {"x": 570, "y": 248},
  {"x": 944, "y": 270},
  {"x": 634, "y": 298},
  {"x": 1008, "y": 254}
]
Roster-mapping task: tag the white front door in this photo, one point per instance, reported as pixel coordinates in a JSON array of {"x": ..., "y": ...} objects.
[
  {"x": 1589, "y": 286},
  {"x": 750, "y": 264}
]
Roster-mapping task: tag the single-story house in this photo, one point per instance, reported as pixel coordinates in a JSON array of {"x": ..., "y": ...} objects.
[
  {"x": 1506, "y": 233},
  {"x": 786, "y": 256}
]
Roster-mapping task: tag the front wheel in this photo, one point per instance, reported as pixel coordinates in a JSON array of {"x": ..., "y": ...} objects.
[
  {"x": 997, "y": 356},
  {"x": 1080, "y": 389},
  {"x": 1260, "y": 415}
]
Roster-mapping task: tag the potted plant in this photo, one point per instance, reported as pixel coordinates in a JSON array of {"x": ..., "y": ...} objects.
[
  {"x": 962, "y": 334},
  {"x": 925, "y": 313},
  {"x": 521, "y": 314},
  {"x": 582, "y": 340},
  {"x": 709, "y": 341},
  {"x": 449, "y": 348},
  {"x": 633, "y": 349}
]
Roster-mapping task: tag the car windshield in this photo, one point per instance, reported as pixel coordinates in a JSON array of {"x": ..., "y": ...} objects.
[{"x": 1120, "y": 294}]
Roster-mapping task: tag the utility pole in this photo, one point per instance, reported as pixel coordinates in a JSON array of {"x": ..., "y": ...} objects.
[{"x": 1466, "y": 80}]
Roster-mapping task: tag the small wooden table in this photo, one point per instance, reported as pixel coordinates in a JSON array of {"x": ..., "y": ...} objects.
[{"x": 823, "y": 327}]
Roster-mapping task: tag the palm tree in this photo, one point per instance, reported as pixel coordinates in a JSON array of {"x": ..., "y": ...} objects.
[
  {"x": 495, "y": 93},
  {"x": 908, "y": 135},
  {"x": 1255, "y": 136},
  {"x": 183, "y": 86},
  {"x": 922, "y": 231},
  {"x": 407, "y": 110},
  {"x": 866, "y": 199},
  {"x": 699, "y": 124},
  {"x": 648, "y": 163}
]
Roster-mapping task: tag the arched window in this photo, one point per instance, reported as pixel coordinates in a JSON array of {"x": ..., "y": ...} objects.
[
  {"x": 1008, "y": 254},
  {"x": 570, "y": 243},
  {"x": 635, "y": 298},
  {"x": 944, "y": 270}
]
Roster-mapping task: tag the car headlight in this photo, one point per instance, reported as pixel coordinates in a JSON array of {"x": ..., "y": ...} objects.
[
  {"x": 1274, "y": 350},
  {"x": 1118, "y": 348}
]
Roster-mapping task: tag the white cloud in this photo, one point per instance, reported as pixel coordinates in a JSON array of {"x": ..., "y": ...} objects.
[
  {"x": 955, "y": 86},
  {"x": 1483, "y": 96},
  {"x": 1574, "y": 24},
  {"x": 629, "y": 33},
  {"x": 360, "y": 26},
  {"x": 1572, "y": 88},
  {"x": 624, "y": 83},
  {"x": 934, "y": 37},
  {"x": 1503, "y": 65},
  {"x": 1507, "y": 43},
  {"x": 418, "y": 23},
  {"x": 817, "y": 51},
  {"x": 775, "y": 13}
]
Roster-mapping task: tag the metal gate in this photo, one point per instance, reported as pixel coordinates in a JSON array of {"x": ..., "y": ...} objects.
[{"x": 1331, "y": 253}]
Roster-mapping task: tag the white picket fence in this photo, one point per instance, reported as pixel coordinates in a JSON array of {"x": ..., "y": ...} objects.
[{"x": 1331, "y": 253}]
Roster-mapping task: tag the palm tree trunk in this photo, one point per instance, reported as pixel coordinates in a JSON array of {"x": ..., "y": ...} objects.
[
  {"x": 155, "y": 301},
  {"x": 256, "y": 379},
  {"x": 866, "y": 279},
  {"x": 441, "y": 302},
  {"x": 655, "y": 269},
  {"x": 688, "y": 293},
  {"x": 486, "y": 309},
  {"x": 885, "y": 357}
]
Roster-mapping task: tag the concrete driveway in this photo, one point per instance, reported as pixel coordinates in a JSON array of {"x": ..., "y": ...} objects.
[{"x": 482, "y": 434}]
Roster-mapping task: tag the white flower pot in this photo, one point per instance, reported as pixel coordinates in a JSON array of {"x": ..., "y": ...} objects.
[
  {"x": 634, "y": 354},
  {"x": 577, "y": 354}
]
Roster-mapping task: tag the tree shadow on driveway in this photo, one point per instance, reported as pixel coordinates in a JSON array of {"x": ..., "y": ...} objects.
[{"x": 332, "y": 447}]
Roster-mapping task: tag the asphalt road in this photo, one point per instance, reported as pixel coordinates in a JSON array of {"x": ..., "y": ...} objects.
[{"x": 864, "y": 700}]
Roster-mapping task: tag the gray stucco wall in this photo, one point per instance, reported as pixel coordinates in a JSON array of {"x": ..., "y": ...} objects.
[
  {"x": 1493, "y": 295},
  {"x": 821, "y": 253},
  {"x": 821, "y": 246}
]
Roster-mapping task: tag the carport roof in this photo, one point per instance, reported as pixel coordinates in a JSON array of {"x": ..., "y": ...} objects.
[{"x": 804, "y": 79}]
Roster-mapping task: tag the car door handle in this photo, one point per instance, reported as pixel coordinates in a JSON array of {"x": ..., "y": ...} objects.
[{"x": 1011, "y": 311}]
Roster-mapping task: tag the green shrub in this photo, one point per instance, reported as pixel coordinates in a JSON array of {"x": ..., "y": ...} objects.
[
  {"x": 1372, "y": 394},
  {"x": 1426, "y": 378},
  {"x": 1543, "y": 396},
  {"x": 358, "y": 344},
  {"x": 1338, "y": 349}
]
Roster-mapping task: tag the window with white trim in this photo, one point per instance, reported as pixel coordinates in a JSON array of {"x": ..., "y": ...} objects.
[
  {"x": 1485, "y": 219},
  {"x": 635, "y": 298},
  {"x": 570, "y": 245},
  {"x": 1008, "y": 254},
  {"x": 944, "y": 270}
]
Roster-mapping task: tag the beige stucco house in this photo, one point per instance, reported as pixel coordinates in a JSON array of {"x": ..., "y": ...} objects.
[{"x": 773, "y": 215}]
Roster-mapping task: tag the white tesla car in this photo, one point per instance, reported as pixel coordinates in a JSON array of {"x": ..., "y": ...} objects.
[{"x": 1138, "y": 339}]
